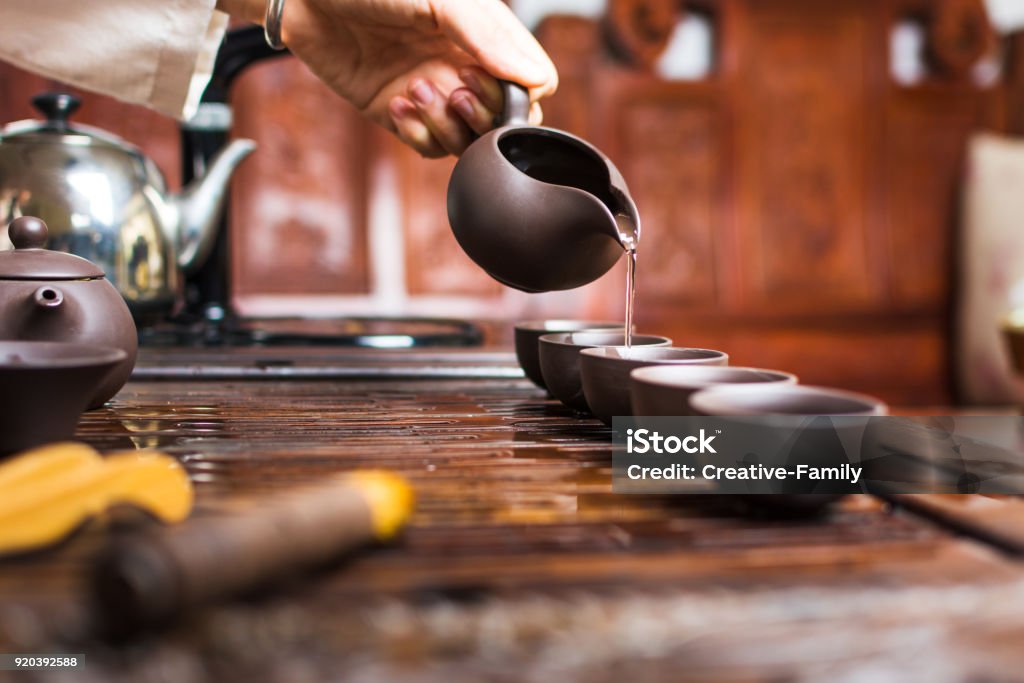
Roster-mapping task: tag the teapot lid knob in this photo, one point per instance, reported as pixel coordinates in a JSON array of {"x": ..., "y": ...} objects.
[
  {"x": 57, "y": 107},
  {"x": 28, "y": 232}
]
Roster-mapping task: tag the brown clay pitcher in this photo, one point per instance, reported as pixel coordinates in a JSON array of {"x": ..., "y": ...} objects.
[{"x": 537, "y": 208}]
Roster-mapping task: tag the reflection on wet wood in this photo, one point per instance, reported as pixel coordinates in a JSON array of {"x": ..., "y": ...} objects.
[
  {"x": 995, "y": 519},
  {"x": 519, "y": 555}
]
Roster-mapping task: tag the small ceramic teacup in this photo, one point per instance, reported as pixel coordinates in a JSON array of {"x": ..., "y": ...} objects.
[
  {"x": 45, "y": 387},
  {"x": 666, "y": 390},
  {"x": 783, "y": 399},
  {"x": 529, "y": 332},
  {"x": 604, "y": 372},
  {"x": 817, "y": 440},
  {"x": 560, "y": 360}
]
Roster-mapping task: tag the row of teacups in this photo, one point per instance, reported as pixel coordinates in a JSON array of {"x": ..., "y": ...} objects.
[{"x": 586, "y": 366}]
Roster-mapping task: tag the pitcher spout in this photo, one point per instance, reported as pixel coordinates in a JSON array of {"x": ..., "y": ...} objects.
[
  {"x": 200, "y": 204},
  {"x": 627, "y": 220}
]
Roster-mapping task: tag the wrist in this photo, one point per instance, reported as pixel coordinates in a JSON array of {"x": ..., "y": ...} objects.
[{"x": 249, "y": 10}]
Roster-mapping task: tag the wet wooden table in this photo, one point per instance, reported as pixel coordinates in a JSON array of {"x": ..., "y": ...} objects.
[{"x": 520, "y": 564}]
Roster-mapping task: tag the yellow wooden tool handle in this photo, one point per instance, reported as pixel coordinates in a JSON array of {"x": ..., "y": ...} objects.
[{"x": 48, "y": 492}]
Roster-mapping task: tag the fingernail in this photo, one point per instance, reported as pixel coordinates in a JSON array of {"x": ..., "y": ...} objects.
[
  {"x": 421, "y": 92},
  {"x": 399, "y": 108},
  {"x": 462, "y": 105},
  {"x": 471, "y": 81}
]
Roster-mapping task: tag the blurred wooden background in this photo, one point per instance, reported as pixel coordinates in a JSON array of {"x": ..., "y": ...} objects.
[{"x": 799, "y": 203}]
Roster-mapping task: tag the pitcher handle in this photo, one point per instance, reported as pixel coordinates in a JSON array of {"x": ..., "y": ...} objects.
[{"x": 516, "y": 111}]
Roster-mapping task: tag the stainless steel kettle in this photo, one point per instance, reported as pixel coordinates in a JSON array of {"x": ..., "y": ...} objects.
[{"x": 107, "y": 202}]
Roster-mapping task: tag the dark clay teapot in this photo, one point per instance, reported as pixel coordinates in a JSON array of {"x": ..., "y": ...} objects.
[
  {"x": 537, "y": 208},
  {"x": 52, "y": 296}
]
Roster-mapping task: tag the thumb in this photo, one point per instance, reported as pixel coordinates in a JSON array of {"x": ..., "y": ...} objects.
[{"x": 494, "y": 37}]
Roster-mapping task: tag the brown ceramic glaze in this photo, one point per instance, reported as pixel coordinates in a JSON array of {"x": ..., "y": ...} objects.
[
  {"x": 528, "y": 334},
  {"x": 52, "y": 296},
  {"x": 605, "y": 373},
  {"x": 560, "y": 360},
  {"x": 45, "y": 386},
  {"x": 535, "y": 207},
  {"x": 666, "y": 391},
  {"x": 783, "y": 399}
]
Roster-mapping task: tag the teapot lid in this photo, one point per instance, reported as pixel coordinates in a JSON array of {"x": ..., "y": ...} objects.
[
  {"x": 30, "y": 260},
  {"x": 58, "y": 109}
]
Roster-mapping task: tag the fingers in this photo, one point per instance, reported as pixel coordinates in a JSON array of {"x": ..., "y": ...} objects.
[
  {"x": 488, "y": 101},
  {"x": 484, "y": 86},
  {"x": 447, "y": 127},
  {"x": 491, "y": 34},
  {"x": 436, "y": 125},
  {"x": 432, "y": 124},
  {"x": 411, "y": 130},
  {"x": 478, "y": 117},
  {"x": 536, "y": 114}
]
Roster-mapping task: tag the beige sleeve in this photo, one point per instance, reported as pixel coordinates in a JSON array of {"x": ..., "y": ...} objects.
[
  {"x": 158, "y": 53},
  {"x": 1006, "y": 15}
]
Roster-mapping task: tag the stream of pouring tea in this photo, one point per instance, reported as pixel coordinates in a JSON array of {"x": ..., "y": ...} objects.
[{"x": 629, "y": 235}]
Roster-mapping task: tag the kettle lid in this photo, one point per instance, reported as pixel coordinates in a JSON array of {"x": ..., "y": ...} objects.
[
  {"x": 31, "y": 260},
  {"x": 58, "y": 108}
]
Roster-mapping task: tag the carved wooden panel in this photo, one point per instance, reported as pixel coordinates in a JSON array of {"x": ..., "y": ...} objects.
[
  {"x": 959, "y": 34},
  {"x": 16, "y": 89},
  {"x": 897, "y": 362},
  {"x": 923, "y": 207},
  {"x": 156, "y": 135},
  {"x": 1014, "y": 66},
  {"x": 639, "y": 30},
  {"x": 434, "y": 262},
  {"x": 299, "y": 203},
  {"x": 802, "y": 158},
  {"x": 572, "y": 43},
  {"x": 672, "y": 156}
]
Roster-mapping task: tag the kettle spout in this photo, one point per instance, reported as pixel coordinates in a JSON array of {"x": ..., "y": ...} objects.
[{"x": 200, "y": 204}]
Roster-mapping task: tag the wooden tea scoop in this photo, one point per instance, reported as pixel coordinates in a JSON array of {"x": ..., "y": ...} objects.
[
  {"x": 48, "y": 492},
  {"x": 151, "y": 577}
]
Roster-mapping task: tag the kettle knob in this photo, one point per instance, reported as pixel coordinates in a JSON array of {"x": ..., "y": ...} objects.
[
  {"x": 57, "y": 107},
  {"x": 28, "y": 232}
]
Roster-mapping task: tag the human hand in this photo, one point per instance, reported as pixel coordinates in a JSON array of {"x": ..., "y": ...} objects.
[{"x": 424, "y": 69}]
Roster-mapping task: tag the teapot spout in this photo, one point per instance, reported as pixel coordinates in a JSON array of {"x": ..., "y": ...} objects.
[
  {"x": 200, "y": 204},
  {"x": 48, "y": 298}
]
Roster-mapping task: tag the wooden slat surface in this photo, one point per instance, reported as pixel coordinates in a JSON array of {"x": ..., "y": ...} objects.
[
  {"x": 520, "y": 563},
  {"x": 995, "y": 519}
]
